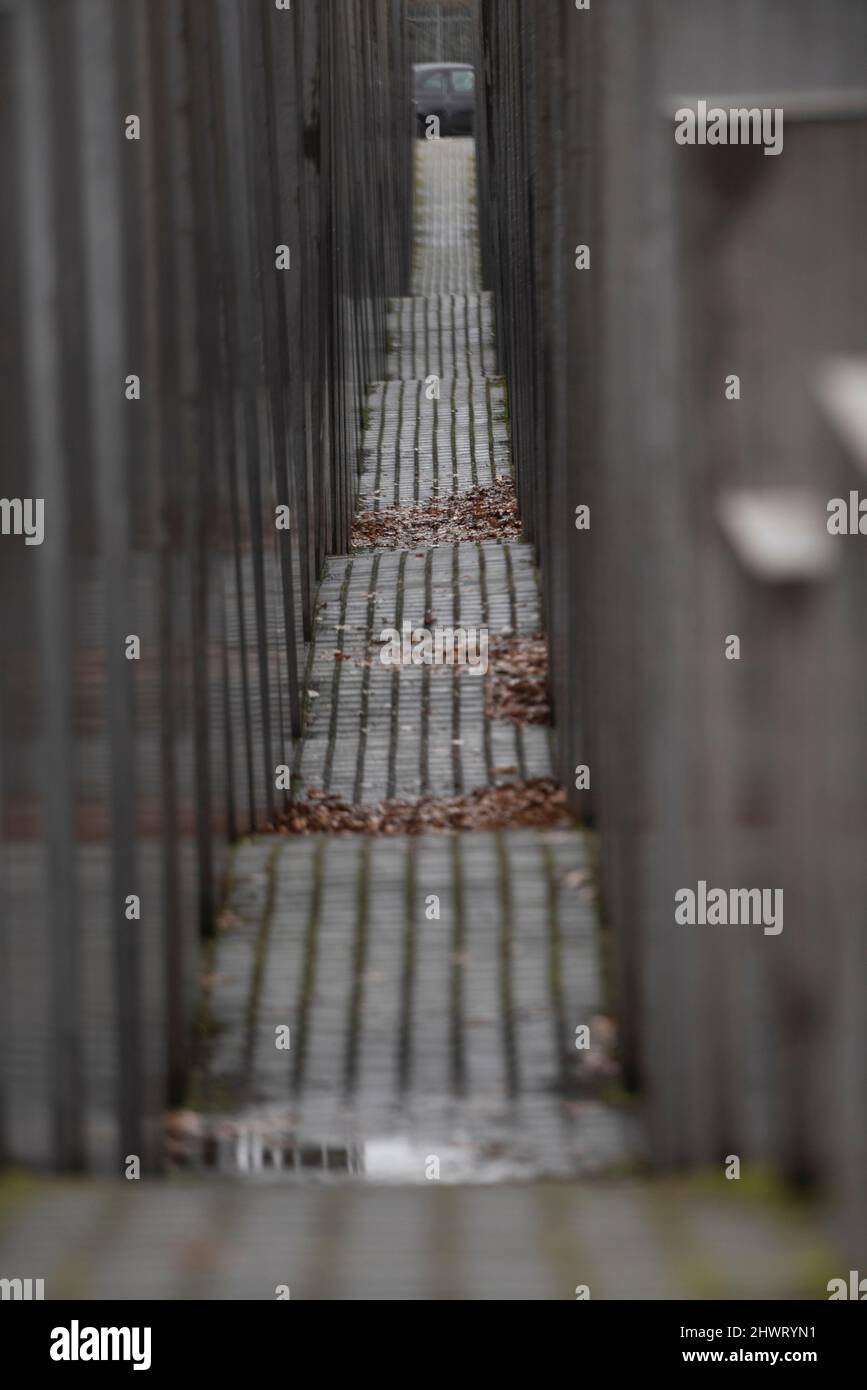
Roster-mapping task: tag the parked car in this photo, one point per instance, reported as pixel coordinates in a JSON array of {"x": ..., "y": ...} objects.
[{"x": 446, "y": 90}]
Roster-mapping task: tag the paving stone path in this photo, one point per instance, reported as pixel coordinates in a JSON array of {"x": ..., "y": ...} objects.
[
  {"x": 446, "y": 256},
  {"x": 221, "y": 1240},
  {"x": 411, "y": 1034},
  {"x": 431, "y": 985},
  {"x": 376, "y": 731}
]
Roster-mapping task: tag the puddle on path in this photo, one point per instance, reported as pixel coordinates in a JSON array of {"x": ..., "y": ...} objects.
[{"x": 267, "y": 1144}]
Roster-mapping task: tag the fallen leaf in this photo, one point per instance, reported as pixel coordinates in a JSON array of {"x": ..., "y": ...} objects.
[
  {"x": 517, "y": 680},
  {"x": 539, "y": 801},
  {"x": 480, "y": 513}
]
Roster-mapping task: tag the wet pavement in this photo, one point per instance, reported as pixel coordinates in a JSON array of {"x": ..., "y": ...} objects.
[{"x": 429, "y": 988}]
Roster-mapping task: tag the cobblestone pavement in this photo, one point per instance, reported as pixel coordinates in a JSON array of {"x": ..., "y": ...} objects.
[
  {"x": 446, "y": 247},
  {"x": 374, "y": 730},
  {"x": 432, "y": 986},
  {"x": 221, "y": 1240},
  {"x": 422, "y": 445},
  {"x": 449, "y": 1034}
]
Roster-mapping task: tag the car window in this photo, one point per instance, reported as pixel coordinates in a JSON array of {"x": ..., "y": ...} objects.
[
  {"x": 432, "y": 84},
  {"x": 463, "y": 81}
]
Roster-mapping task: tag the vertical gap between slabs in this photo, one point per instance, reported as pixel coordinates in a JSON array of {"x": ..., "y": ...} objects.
[
  {"x": 492, "y": 464},
  {"x": 377, "y": 481},
  {"x": 555, "y": 959},
  {"x": 394, "y": 731},
  {"x": 417, "y": 442},
  {"x": 457, "y": 761},
  {"x": 366, "y": 677},
  {"x": 359, "y": 961},
  {"x": 486, "y": 618},
  {"x": 308, "y": 971},
  {"x": 427, "y": 356},
  {"x": 407, "y": 983},
  {"x": 471, "y": 424},
  {"x": 513, "y": 623},
  {"x": 335, "y": 679},
  {"x": 440, "y": 299},
  {"x": 435, "y": 453},
  {"x": 424, "y": 753},
  {"x": 510, "y": 1050},
  {"x": 257, "y": 978},
  {"x": 453, "y": 324},
  {"x": 453, "y": 438},
  {"x": 470, "y": 377},
  {"x": 300, "y": 743},
  {"x": 398, "y": 444},
  {"x": 456, "y": 1012}
]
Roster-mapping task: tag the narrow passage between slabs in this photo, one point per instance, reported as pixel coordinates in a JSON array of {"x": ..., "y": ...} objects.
[{"x": 376, "y": 1001}]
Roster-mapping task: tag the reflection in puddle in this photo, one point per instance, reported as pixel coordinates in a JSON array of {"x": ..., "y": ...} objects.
[
  {"x": 265, "y": 1142},
  {"x": 248, "y": 1152},
  {"x": 236, "y": 1148}
]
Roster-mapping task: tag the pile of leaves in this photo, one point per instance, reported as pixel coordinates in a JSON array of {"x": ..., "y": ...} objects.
[
  {"x": 482, "y": 513},
  {"x": 539, "y": 801},
  {"x": 517, "y": 680}
]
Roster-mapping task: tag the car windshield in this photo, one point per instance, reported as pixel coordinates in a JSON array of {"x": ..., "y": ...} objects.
[
  {"x": 462, "y": 80},
  {"x": 431, "y": 83}
]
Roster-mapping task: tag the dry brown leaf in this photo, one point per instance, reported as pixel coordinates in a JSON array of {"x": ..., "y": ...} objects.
[
  {"x": 517, "y": 681},
  {"x": 538, "y": 801},
  {"x": 481, "y": 513}
]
